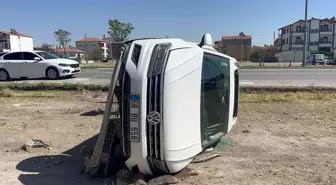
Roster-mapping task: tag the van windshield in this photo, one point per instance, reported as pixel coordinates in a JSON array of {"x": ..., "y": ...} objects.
[{"x": 215, "y": 96}]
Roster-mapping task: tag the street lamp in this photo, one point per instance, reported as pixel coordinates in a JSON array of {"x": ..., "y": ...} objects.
[
  {"x": 86, "y": 54},
  {"x": 305, "y": 36},
  {"x": 241, "y": 34}
]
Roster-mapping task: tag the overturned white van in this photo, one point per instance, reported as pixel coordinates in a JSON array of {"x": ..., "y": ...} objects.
[{"x": 168, "y": 100}]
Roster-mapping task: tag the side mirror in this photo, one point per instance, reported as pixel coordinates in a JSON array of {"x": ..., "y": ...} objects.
[{"x": 37, "y": 58}]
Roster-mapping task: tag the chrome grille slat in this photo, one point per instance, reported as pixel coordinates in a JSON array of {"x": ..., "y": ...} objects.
[
  {"x": 156, "y": 136},
  {"x": 150, "y": 139}
]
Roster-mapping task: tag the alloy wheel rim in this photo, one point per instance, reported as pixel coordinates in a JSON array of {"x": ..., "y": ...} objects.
[
  {"x": 52, "y": 73},
  {"x": 3, "y": 75}
]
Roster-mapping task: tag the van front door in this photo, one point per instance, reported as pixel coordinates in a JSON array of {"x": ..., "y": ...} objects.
[{"x": 215, "y": 98}]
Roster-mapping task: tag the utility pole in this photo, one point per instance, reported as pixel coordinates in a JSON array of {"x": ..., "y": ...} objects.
[
  {"x": 305, "y": 36},
  {"x": 86, "y": 54},
  {"x": 241, "y": 34}
]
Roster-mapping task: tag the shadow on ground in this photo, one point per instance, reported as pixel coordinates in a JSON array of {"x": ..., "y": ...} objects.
[
  {"x": 66, "y": 168},
  {"x": 93, "y": 113}
]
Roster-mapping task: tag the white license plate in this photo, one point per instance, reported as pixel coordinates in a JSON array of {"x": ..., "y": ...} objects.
[{"x": 134, "y": 118}]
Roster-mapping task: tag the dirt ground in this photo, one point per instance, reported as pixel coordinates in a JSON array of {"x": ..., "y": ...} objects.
[{"x": 273, "y": 143}]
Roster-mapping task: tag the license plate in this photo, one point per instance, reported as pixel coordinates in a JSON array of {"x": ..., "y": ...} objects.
[{"x": 134, "y": 118}]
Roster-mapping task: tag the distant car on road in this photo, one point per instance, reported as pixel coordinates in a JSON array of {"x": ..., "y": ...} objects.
[{"x": 35, "y": 64}]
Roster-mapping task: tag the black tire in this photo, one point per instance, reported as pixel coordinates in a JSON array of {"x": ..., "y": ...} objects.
[
  {"x": 4, "y": 76},
  {"x": 52, "y": 73}
]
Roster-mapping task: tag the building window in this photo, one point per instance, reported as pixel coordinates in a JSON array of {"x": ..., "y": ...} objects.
[
  {"x": 324, "y": 40},
  {"x": 298, "y": 29},
  {"x": 298, "y": 40},
  {"x": 6, "y": 45},
  {"x": 324, "y": 28},
  {"x": 287, "y": 41}
]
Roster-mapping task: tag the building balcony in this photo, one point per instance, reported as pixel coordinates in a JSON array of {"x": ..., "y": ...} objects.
[
  {"x": 325, "y": 44},
  {"x": 297, "y": 33},
  {"x": 326, "y": 31}
]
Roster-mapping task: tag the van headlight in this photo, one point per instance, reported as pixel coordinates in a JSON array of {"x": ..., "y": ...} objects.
[
  {"x": 63, "y": 65},
  {"x": 158, "y": 58}
]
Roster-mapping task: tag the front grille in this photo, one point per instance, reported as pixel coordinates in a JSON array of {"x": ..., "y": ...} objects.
[
  {"x": 155, "y": 75},
  {"x": 154, "y": 104},
  {"x": 74, "y": 65},
  {"x": 76, "y": 71}
]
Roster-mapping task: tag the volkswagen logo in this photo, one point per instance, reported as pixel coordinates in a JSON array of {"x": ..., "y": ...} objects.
[{"x": 154, "y": 118}]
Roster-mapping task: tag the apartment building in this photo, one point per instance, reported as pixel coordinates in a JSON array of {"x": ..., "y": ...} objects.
[
  {"x": 14, "y": 41},
  {"x": 91, "y": 44},
  {"x": 114, "y": 47},
  {"x": 235, "y": 46},
  {"x": 320, "y": 35}
]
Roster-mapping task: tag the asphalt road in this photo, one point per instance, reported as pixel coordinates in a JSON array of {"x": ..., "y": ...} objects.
[{"x": 248, "y": 77}]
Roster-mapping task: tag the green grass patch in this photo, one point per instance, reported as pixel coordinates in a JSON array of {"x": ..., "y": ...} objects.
[
  {"x": 98, "y": 65},
  {"x": 247, "y": 93},
  {"x": 286, "y": 89},
  {"x": 7, "y": 93},
  {"x": 286, "y": 97},
  {"x": 52, "y": 86}
]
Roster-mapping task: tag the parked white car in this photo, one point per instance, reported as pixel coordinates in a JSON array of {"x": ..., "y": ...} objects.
[{"x": 36, "y": 64}]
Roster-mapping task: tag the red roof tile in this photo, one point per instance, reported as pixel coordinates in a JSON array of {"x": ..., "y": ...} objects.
[
  {"x": 68, "y": 50},
  {"x": 235, "y": 37},
  {"x": 92, "y": 40},
  {"x": 17, "y": 34}
]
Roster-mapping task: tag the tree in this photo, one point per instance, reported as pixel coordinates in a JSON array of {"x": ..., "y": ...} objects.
[
  {"x": 45, "y": 47},
  {"x": 97, "y": 55},
  {"x": 120, "y": 31},
  {"x": 12, "y": 30},
  {"x": 63, "y": 38},
  {"x": 258, "y": 55}
]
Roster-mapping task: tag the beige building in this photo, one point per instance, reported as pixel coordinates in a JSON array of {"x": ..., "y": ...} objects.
[
  {"x": 235, "y": 46},
  {"x": 89, "y": 45}
]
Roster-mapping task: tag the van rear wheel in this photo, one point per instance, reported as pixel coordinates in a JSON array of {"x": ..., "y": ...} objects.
[{"x": 4, "y": 76}]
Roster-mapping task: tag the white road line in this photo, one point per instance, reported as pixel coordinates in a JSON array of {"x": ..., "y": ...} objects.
[
  {"x": 244, "y": 82},
  {"x": 78, "y": 79}
]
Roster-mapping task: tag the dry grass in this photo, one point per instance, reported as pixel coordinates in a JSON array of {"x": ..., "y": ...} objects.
[{"x": 286, "y": 67}]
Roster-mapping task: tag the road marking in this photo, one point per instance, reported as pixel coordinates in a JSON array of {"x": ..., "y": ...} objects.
[
  {"x": 78, "y": 79},
  {"x": 244, "y": 82}
]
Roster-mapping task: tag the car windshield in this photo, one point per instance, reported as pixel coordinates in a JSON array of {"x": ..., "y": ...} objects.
[{"x": 46, "y": 55}]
